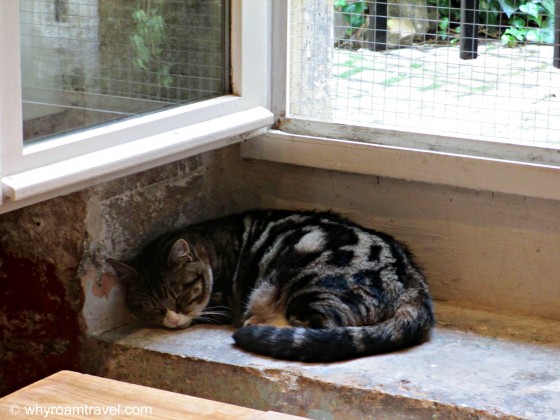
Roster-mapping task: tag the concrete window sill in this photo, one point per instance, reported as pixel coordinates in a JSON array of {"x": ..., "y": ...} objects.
[{"x": 477, "y": 365}]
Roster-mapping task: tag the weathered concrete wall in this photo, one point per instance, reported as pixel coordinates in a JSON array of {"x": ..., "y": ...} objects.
[
  {"x": 124, "y": 214},
  {"x": 52, "y": 256},
  {"x": 40, "y": 251}
]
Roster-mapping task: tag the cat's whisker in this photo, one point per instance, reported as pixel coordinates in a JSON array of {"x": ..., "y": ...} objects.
[
  {"x": 208, "y": 320},
  {"x": 216, "y": 308},
  {"x": 223, "y": 314}
]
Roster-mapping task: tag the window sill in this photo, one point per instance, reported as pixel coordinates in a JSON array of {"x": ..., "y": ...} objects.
[
  {"x": 472, "y": 172},
  {"x": 72, "y": 174}
]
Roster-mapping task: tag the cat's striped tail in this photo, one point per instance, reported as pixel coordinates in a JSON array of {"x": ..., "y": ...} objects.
[{"x": 405, "y": 329}]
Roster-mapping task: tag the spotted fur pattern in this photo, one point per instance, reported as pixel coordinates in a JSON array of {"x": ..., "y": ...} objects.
[{"x": 303, "y": 285}]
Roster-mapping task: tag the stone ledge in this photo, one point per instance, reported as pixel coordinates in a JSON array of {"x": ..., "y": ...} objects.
[{"x": 477, "y": 365}]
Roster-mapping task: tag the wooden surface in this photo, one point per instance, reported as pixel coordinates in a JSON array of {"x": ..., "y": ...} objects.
[{"x": 71, "y": 395}]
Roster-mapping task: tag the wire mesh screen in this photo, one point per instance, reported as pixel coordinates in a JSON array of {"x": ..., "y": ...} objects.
[
  {"x": 86, "y": 62},
  {"x": 470, "y": 69}
]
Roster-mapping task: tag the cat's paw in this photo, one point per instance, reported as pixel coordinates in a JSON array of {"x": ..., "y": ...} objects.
[
  {"x": 254, "y": 320},
  {"x": 274, "y": 321}
]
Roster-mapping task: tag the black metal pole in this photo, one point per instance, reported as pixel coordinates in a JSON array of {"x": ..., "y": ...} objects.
[
  {"x": 469, "y": 29},
  {"x": 377, "y": 27}
]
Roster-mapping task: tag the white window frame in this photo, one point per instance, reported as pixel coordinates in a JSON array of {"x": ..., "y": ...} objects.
[
  {"x": 457, "y": 161},
  {"x": 45, "y": 169}
]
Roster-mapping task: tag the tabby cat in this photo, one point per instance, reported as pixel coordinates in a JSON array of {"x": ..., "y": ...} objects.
[{"x": 305, "y": 286}]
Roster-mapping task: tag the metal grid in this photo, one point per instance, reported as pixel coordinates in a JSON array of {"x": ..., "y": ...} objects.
[
  {"x": 401, "y": 70},
  {"x": 98, "y": 60}
]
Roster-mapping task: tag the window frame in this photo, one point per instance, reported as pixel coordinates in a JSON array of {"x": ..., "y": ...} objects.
[
  {"x": 41, "y": 170},
  {"x": 429, "y": 156}
]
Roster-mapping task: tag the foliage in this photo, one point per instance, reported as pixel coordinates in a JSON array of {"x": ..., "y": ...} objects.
[
  {"x": 523, "y": 20},
  {"x": 445, "y": 32},
  {"x": 149, "y": 38},
  {"x": 353, "y": 13},
  {"x": 512, "y": 21},
  {"x": 529, "y": 21}
]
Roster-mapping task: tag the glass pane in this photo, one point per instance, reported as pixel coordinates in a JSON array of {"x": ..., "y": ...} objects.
[
  {"x": 409, "y": 65},
  {"x": 88, "y": 62}
]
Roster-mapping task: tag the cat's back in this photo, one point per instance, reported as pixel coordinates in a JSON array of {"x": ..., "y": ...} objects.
[
  {"x": 311, "y": 232},
  {"x": 281, "y": 241}
]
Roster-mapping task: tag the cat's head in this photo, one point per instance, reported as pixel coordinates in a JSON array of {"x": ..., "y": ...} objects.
[{"x": 171, "y": 291}]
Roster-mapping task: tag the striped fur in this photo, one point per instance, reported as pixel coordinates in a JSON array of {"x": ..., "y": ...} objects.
[{"x": 304, "y": 286}]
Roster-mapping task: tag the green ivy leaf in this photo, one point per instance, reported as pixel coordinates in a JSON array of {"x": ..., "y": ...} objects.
[
  {"x": 139, "y": 15},
  {"x": 519, "y": 34},
  {"x": 353, "y": 13},
  {"x": 533, "y": 35},
  {"x": 508, "y": 41},
  {"x": 509, "y": 6},
  {"x": 518, "y": 22},
  {"x": 532, "y": 10},
  {"x": 548, "y": 5},
  {"x": 444, "y": 24},
  {"x": 547, "y": 32}
]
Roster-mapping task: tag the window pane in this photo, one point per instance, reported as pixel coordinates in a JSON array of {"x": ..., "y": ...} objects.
[
  {"x": 410, "y": 65},
  {"x": 88, "y": 62}
]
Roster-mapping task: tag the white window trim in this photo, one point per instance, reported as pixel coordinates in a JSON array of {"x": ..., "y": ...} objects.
[
  {"x": 464, "y": 171},
  {"x": 430, "y": 157},
  {"x": 43, "y": 170}
]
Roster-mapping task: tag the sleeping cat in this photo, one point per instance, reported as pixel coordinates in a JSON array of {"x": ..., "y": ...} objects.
[{"x": 304, "y": 286}]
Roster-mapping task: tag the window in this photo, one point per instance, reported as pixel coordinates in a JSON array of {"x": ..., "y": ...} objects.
[
  {"x": 417, "y": 79},
  {"x": 90, "y": 62},
  {"x": 120, "y": 97},
  {"x": 322, "y": 124}
]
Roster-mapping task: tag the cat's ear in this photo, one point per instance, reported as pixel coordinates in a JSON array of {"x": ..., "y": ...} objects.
[
  {"x": 180, "y": 253},
  {"x": 125, "y": 272}
]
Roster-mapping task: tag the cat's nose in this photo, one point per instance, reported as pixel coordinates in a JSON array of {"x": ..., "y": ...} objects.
[{"x": 171, "y": 319}]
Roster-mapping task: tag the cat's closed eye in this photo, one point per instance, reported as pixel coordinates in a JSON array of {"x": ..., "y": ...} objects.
[{"x": 147, "y": 311}]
